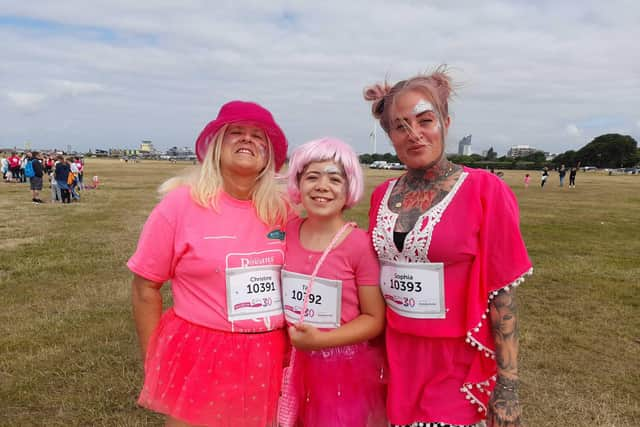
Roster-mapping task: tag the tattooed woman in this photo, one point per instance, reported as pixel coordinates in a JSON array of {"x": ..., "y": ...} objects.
[{"x": 451, "y": 254}]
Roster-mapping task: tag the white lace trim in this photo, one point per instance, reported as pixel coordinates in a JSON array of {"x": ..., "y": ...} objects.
[
  {"x": 470, "y": 389},
  {"x": 471, "y": 392},
  {"x": 471, "y": 340},
  {"x": 418, "y": 241}
]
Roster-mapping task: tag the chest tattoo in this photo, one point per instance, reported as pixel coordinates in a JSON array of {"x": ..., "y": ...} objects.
[{"x": 410, "y": 198}]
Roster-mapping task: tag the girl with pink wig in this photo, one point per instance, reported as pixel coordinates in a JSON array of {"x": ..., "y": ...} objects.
[{"x": 331, "y": 296}]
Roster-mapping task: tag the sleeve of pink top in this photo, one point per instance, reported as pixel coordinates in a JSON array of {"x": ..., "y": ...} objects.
[
  {"x": 503, "y": 253},
  {"x": 367, "y": 267},
  {"x": 154, "y": 257}
]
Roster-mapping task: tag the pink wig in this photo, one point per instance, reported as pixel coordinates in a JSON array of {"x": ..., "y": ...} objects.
[{"x": 320, "y": 150}]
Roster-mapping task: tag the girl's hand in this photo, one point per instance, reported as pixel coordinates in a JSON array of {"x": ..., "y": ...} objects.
[{"x": 305, "y": 337}]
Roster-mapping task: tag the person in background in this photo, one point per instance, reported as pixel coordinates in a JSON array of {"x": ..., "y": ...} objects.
[
  {"x": 26, "y": 157},
  {"x": 562, "y": 172},
  {"x": 545, "y": 176},
  {"x": 62, "y": 171},
  {"x": 35, "y": 182},
  {"x": 451, "y": 254},
  {"x": 4, "y": 167},
  {"x": 56, "y": 193},
  {"x": 572, "y": 176},
  {"x": 14, "y": 166},
  {"x": 49, "y": 163},
  {"x": 216, "y": 356},
  {"x": 73, "y": 185},
  {"x": 80, "y": 167},
  {"x": 527, "y": 180}
]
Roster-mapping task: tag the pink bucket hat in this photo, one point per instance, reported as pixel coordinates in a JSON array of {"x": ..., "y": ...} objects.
[{"x": 241, "y": 111}]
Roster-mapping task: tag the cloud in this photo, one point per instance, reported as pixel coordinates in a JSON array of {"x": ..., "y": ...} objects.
[
  {"x": 74, "y": 89},
  {"x": 162, "y": 69},
  {"x": 572, "y": 130},
  {"x": 55, "y": 92},
  {"x": 27, "y": 102}
]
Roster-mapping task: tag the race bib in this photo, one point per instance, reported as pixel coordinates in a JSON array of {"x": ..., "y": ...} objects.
[
  {"x": 253, "y": 292},
  {"x": 414, "y": 290},
  {"x": 325, "y": 300}
]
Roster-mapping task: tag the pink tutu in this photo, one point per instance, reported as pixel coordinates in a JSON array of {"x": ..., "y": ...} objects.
[
  {"x": 341, "y": 386},
  {"x": 207, "y": 377}
]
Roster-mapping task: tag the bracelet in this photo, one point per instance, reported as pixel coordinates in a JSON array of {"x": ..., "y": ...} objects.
[{"x": 513, "y": 388}]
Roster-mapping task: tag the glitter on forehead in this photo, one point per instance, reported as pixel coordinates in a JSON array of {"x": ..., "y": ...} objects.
[
  {"x": 332, "y": 169},
  {"x": 422, "y": 106}
]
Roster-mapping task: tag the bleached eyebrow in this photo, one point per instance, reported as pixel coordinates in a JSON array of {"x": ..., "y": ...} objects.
[{"x": 404, "y": 119}]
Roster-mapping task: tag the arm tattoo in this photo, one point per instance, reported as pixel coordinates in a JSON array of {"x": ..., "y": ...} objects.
[
  {"x": 504, "y": 323},
  {"x": 504, "y": 407}
]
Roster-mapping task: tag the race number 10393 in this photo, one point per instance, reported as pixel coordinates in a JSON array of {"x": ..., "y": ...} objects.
[{"x": 405, "y": 285}]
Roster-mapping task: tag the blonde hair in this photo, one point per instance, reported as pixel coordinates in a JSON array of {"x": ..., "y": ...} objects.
[{"x": 205, "y": 182}]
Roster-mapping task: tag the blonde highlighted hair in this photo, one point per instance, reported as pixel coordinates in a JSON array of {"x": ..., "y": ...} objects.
[{"x": 206, "y": 182}]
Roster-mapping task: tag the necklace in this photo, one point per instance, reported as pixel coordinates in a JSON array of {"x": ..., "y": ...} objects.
[{"x": 442, "y": 177}]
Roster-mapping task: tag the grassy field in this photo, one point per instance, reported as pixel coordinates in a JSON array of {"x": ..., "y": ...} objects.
[{"x": 68, "y": 352}]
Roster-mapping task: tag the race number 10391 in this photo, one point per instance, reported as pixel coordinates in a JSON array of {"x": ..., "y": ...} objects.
[
  {"x": 260, "y": 287},
  {"x": 253, "y": 292}
]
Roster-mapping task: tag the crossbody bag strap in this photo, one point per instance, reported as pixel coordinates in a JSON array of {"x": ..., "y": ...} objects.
[{"x": 328, "y": 249}]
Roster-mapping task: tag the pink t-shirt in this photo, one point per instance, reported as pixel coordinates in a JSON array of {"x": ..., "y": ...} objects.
[
  {"x": 353, "y": 261},
  {"x": 193, "y": 246}
]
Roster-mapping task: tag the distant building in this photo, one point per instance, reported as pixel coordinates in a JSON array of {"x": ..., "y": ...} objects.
[
  {"x": 184, "y": 153},
  {"x": 147, "y": 147},
  {"x": 521, "y": 151},
  {"x": 464, "y": 146}
]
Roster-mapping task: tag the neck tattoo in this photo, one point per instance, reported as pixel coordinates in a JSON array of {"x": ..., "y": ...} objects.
[{"x": 435, "y": 179}]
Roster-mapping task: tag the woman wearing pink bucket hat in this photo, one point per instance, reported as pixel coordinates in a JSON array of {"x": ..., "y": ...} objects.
[{"x": 216, "y": 356}]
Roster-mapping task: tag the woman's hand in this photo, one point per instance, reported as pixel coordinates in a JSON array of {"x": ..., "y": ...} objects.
[
  {"x": 504, "y": 408},
  {"x": 306, "y": 337}
]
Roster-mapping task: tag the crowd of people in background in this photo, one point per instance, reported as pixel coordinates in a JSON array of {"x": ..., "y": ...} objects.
[
  {"x": 562, "y": 173},
  {"x": 65, "y": 175}
]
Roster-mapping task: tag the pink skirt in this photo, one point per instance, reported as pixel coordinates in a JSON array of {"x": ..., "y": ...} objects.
[
  {"x": 207, "y": 377},
  {"x": 341, "y": 386}
]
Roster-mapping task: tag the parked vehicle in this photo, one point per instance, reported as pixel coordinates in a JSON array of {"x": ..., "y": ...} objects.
[
  {"x": 378, "y": 164},
  {"x": 397, "y": 166}
]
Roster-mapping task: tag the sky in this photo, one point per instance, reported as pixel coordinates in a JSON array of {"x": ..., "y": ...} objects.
[{"x": 109, "y": 74}]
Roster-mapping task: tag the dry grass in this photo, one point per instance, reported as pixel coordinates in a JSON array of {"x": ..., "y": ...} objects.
[{"x": 68, "y": 354}]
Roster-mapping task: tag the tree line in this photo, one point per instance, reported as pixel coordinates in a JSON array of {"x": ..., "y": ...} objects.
[{"x": 610, "y": 150}]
